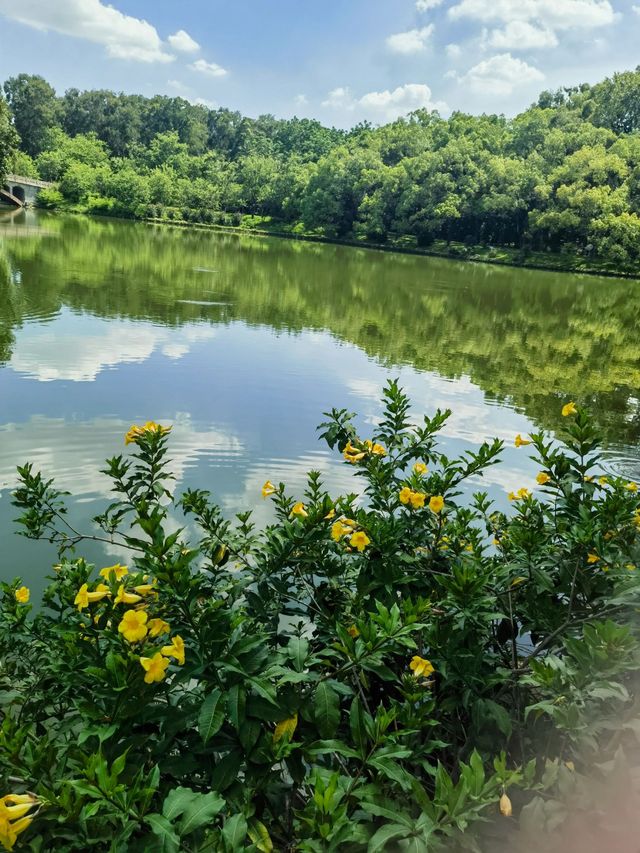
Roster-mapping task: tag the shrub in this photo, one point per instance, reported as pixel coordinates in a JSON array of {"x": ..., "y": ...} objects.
[
  {"x": 50, "y": 198},
  {"x": 377, "y": 673}
]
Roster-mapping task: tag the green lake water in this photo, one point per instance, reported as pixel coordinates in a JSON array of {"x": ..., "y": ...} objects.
[{"x": 242, "y": 342}]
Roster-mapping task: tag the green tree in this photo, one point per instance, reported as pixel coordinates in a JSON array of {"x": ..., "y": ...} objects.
[
  {"x": 35, "y": 111},
  {"x": 8, "y": 139}
]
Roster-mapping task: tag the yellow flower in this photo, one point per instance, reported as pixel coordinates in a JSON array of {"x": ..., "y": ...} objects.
[
  {"x": 513, "y": 496},
  {"x": 630, "y": 567},
  {"x": 604, "y": 481},
  {"x": 157, "y": 627},
  {"x": 436, "y": 504},
  {"x": 569, "y": 409},
  {"x": 146, "y": 589},
  {"x": 632, "y": 487},
  {"x": 268, "y": 489},
  {"x": 523, "y": 493},
  {"x": 405, "y": 495},
  {"x": 506, "y": 809},
  {"x": 134, "y": 625},
  {"x": 588, "y": 478},
  {"x": 14, "y": 818},
  {"x": 420, "y": 667},
  {"x": 420, "y": 468},
  {"x": 359, "y": 540},
  {"x": 352, "y": 454},
  {"x": 469, "y": 548},
  {"x": 84, "y": 598},
  {"x": 137, "y": 431},
  {"x": 299, "y": 510},
  {"x": 593, "y": 558},
  {"x": 22, "y": 595},
  {"x": 542, "y": 478},
  {"x": 155, "y": 668},
  {"x": 496, "y": 542},
  {"x": 417, "y": 500},
  {"x": 353, "y": 632},
  {"x": 117, "y": 572},
  {"x": 338, "y": 530},
  {"x": 378, "y": 450},
  {"x": 520, "y": 441},
  {"x": 331, "y": 514},
  {"x": 124, "y": 597},
  {"x": 285, "y": 728},
  {"x": 175, "y": 650}
]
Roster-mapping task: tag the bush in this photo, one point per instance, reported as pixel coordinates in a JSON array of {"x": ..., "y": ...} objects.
[
  {"x": 50, "y": 198},
  {"x": 372, "y": 674}
]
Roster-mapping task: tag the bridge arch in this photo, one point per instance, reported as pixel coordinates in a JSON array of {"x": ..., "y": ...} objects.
[
  {"x": 18, "y": 192},
  {"x": 7, "y": 197}
]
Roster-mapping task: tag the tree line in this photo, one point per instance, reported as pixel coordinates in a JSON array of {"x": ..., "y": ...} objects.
[{"x": 564, "y": 175}]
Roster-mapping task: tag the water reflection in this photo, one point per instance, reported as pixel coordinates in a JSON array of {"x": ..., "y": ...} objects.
[{"x": 242, "y": 342}]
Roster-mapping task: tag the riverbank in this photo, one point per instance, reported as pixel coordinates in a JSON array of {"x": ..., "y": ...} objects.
[{"x": 485, "y": 254}]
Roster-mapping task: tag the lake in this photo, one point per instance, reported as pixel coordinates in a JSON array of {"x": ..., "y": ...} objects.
[{"x": 242, "y": 342}]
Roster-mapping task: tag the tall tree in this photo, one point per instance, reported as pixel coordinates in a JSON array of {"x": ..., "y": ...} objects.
[
  {"x": 8, "y": 139},
  {"x": 35, "y": 111}
]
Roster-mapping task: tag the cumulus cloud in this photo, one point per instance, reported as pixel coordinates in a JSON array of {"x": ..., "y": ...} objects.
[
  {"x": 386, "y": 105},
  {"x": 453, "y": 51},
  {"x": 209, "y": 68},
  {"x": 521, "y": 35},
  {"x": 501, "y": 75},
  {"x": 183, "y": 42},
  {"x": 424, "y": 5},
  {"x": 123, "y": 36},
  {"x": 413, "y": 41},
  {"x": 549, "y": 14}
]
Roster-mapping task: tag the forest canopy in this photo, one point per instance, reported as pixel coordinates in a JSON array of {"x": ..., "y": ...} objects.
[{"x": 562, "y": 176}]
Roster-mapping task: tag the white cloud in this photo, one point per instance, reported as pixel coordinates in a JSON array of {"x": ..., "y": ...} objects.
[
  {"x": 550, "y": 14},
  {"x": 413, "y": 41},
  {"x": 340, "y": 99},
  {"x": 424, "y": 5},
  {"x": 301, "y": 100},
  {"x": 387, "y": 105},
  {"x": 453, "y": 51},
  {"x": 500, "y": 75},
  {"x": 636, "y": 9},
  {"x": 209, "y": 68},
  {"x": 521, "y": 35},
  {"x": 183, "y": 42},
  {"x": 123, "y": 36}
]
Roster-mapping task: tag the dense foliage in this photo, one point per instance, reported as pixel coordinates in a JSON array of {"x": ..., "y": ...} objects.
[
  {"x": 564, "y": 175},
  {"x": 378, "y": 672}
]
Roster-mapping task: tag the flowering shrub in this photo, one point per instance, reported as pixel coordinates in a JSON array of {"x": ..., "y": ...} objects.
[{"x": 388, "y": 672}]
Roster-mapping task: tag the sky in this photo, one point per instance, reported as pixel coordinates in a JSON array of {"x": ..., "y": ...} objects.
[{"x": 340, "y": 61}]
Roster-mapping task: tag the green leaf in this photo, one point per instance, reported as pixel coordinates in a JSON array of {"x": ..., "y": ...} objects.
[
  {"x": 326, "y": 710},
  {"x": 298, "y": 651},
  {"x": 168, "y": 841},
  {"x": 236, "y": 703},
  {"x": 200, "y": 812},
  {"x": 384, "y": 835},
  {"x": 259, "y": 835},
  {"x": 235, "y": 831},
  {"x": 211, "y": 716},
  {"x": 226, "y": 771}
]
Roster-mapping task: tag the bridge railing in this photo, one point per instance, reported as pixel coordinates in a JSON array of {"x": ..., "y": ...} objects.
[{"x": 32, "y": 182}]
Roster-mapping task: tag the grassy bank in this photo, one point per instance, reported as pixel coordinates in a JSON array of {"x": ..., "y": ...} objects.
[{"x": 572, "y": 262}]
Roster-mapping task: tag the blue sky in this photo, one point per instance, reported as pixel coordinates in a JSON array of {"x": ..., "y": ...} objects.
[{"x": 340, "y": 61}]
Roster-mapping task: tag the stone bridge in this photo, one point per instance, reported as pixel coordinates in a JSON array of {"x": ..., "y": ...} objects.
[{"x": 21, "y": 191}]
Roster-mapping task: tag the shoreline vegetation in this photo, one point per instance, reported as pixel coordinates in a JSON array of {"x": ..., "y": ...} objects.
[
  {"x": 556, "y": 187},
  {"x": 412, "y": 670}
]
